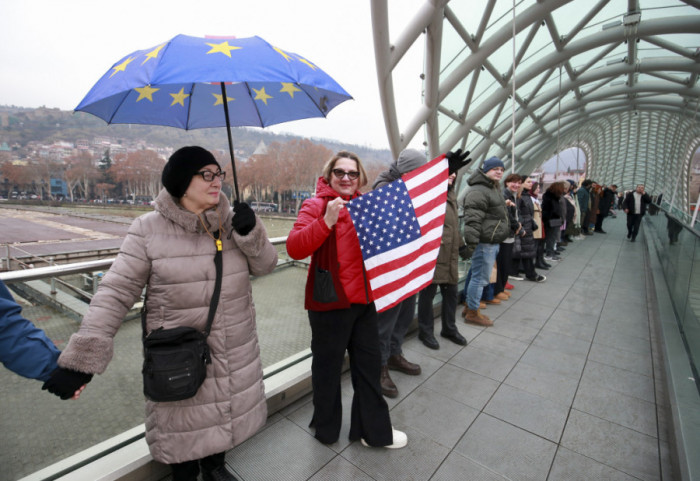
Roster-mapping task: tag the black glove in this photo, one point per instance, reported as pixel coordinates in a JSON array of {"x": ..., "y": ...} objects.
[
  {"x": 466, "y": 252},
  {"x": 243, "y": 218},
  {"x": 457, "y": 160},
  {"x": 64, "y": 382}
]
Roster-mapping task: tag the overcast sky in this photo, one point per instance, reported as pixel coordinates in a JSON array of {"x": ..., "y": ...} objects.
[{"x": 53, "y": 51}]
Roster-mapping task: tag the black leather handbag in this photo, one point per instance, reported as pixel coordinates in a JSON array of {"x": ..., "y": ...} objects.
[{"x": 175, "y": 360}]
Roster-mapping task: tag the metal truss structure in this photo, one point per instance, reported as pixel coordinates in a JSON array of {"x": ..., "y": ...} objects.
[{"x": 616, "y": 78}]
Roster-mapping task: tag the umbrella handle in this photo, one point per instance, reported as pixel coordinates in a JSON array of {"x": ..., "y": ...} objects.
[{"x": 230, "y": 141}]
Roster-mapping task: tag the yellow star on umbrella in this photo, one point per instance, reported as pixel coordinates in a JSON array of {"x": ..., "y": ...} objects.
[
  {"x": 283, "y": 53},
  {"x": 122, "y": 66},
  {"x": 153, "y": 53},
  {"x": 290, "y": 88},
  {"x": 146, "y": 92},
  {"x": 179, "y": 98},
  {"x": 220, "y": 99},
  {"x": 222, "y": 47},
  {"x": 303, "y": 60},
  {"x": 261, "y": 95}
]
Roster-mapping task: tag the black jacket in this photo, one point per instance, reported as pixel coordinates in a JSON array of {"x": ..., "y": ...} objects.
[
  {"x": 551, "y": 208},
  {"x": 526, "y": 212},
  {"x": 628, "y": 203}
]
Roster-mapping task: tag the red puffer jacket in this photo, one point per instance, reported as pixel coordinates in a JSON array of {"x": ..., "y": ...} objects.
[{"x": 310, "y": 232}]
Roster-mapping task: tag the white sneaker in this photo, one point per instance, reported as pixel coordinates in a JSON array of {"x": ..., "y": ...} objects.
[{"x": 400, "y": 440}]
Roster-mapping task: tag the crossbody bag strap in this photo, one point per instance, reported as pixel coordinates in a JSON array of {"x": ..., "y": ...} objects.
[
  {"x": 218, "y": 263},
  {"x": 217, "y": 291}
]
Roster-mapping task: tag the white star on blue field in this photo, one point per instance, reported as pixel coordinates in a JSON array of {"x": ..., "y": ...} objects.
[{"x": 384, "y": 219}]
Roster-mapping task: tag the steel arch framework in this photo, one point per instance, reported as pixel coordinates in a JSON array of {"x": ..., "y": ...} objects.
[{"x": 617, "y": 78}]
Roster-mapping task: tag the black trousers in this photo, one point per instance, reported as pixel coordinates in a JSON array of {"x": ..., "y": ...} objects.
[
  {"x": 599, "y": 221},
  {"x": 529, "y": 267},
  {"x": 189, "y": 470},
  {"x": 426, "y": 322},
  {"x": 332, "y": 333},
  {"x": 633, "y": 222},
  {"x": 504, "y": 260}
]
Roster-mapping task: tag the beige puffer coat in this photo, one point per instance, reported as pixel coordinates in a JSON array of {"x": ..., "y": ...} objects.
[{"x": 169, "y": 250}]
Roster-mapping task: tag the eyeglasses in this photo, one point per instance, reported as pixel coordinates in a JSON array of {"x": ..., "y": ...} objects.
[
  {"x": 208, "y": 175},
  {"x": 340, "y": 173}
]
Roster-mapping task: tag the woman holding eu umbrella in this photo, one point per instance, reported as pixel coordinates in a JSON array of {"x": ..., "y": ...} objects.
[
  {"x": 174, "y": 251},
  {"x": 341, "y": 310}
]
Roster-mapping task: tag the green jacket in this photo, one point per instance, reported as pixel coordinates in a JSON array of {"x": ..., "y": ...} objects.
[
  {"x": 446, "y": 271},
  {"x": 485, "y": 213}
]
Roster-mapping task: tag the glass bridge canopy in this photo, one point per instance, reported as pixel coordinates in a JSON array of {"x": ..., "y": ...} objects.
[{"x": 527, "y": 79}]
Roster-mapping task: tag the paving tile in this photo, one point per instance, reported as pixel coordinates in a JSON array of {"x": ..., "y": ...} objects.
[
  {"x": 417, "y": 461},
  {"x": 616, "y": 327},
  {"x": 617, "y": 446},
  {"x": 629, "y": 361},
  {"x": 620, "y": 340},
  {"x": 462, "y": 385},
  {"x": 575, "y": 325},
  {"x": 555, "y": 361},
  {"x": 545, "y": 383},
  {"x": 618, "y": 408},
  {"x": 514, "y": 330},
  {"x": 562, "y": 343},
  {"x": 528, "y": 411},
  {"x": 619, "y": 380},
  {"x": 339, "y": 469},
  {"x": 300, "y": 463},
  {"x": 458, "y": 467},
  {"x": 484, "y": 362},
  {"x": 499, "y": 345},
  {"x": 438, "y": 417},
  {"x": 571, "y": 466},
  {"x": 506, "y": 449}
]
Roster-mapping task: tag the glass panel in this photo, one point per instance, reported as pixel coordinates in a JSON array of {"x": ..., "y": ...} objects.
[{"x": 53, "y": 430}]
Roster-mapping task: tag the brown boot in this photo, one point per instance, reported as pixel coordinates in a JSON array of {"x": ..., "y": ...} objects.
[
  {"x": 482, "y": 305},
  {"x": 399, "y": 363},
  {"x": 389, "y": 389},
  {"x": 504, "y": 296},
  {"x": 493, "y": 301},
  {"x": 475, "y": 317}
]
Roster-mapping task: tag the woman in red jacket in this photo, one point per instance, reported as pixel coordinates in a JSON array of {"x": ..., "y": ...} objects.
[{"x": 341, "y": 309}]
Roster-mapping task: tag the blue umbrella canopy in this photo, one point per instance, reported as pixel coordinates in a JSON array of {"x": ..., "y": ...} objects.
[
  {"x": 178, "y": 84},
  {"x": 192, "y": 83}
]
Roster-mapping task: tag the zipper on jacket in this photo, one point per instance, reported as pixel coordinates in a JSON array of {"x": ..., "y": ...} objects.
[
  {"x": 494, "y": 231},
  {"x": 364, "y": 277}
]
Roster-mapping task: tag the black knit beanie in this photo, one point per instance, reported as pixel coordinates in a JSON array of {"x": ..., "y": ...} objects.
[{"x": 182, "y": 166}]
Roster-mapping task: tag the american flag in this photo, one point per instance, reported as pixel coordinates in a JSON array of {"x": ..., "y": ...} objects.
[{"x": 399, "y": 227}]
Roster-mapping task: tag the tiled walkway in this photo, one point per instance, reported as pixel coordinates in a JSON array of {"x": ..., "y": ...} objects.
[{"x": 565, "y": 386}]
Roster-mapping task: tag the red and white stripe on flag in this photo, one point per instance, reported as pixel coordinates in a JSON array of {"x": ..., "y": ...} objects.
[{"x": 409, "y": 263}]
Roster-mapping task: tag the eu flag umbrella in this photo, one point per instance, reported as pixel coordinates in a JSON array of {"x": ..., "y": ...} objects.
[{"x": 192, "y": 83}]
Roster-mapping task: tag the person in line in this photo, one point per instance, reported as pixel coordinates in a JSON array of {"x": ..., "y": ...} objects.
[
  {"x": 573, "y": 214},
  {"x": 504, "y": 258},
  {"x": 607, "y": 201},
  {"x": 538, "y": 234},
  {"x": 528, "y": 247},
  {"x": 583, "y": 194},
  {"x": 566, "y": 211},
  {"x": 394, "y": 322},
  {"x": 486, "y": 225},
  {"x": 171, "y": 251},
  {"x": 342, "y": 315},
  {"x": 553, "y": 219},
  {"x": 596, "y": 194},
  {"x": 24, "y": 348},
  {"x": 635, "y": 206},
  {"x": 446, "y": 278}
]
